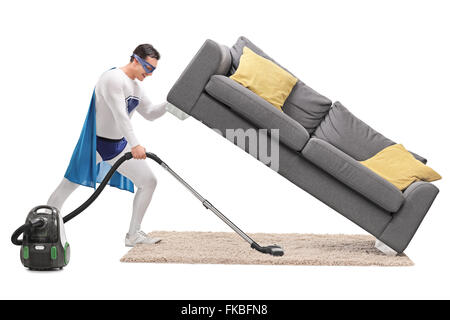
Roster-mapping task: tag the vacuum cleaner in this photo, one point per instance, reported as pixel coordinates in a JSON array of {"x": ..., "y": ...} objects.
[{"x": 44, "y": 245}]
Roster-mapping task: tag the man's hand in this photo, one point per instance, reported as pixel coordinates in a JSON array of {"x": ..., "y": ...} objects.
[{"x": 138, "y": 152}]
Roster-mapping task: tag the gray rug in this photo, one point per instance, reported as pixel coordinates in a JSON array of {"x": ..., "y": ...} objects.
[{"x": 229, "y": 248}]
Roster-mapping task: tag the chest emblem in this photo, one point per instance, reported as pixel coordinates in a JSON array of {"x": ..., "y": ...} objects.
[{"x": 132, "y": 102}]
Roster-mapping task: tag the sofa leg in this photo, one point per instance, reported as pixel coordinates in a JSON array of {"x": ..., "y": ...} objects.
[{"x": 385, "y": 248}]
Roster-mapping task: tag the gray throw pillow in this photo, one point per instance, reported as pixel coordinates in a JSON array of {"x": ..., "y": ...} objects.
[
  {"x": 349, "y": 134},
  {"x": 306, "y": 106}
]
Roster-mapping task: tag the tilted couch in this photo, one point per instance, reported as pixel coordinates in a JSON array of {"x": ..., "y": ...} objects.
[{"x": 320, "y": 143}]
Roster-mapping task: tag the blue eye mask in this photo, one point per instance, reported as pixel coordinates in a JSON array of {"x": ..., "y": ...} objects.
[{"x": 147, "y": 66}]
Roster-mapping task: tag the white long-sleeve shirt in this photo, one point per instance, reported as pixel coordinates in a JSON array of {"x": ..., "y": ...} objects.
[{"x": 116, "y": 98}]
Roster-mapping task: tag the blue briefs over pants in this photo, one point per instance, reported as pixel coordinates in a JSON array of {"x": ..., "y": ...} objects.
[{"x": 110, "y": 148}]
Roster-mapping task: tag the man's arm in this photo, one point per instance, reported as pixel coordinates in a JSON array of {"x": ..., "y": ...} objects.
[{"x": 149, "y": 110}]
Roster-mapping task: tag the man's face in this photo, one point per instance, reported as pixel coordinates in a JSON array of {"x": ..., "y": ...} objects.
[{"x": 141, "y": 74}]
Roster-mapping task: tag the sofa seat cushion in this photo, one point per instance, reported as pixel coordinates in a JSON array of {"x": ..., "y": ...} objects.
[
  {"x": 353, "y": 174},
  {"x": 257, "y": 110}
]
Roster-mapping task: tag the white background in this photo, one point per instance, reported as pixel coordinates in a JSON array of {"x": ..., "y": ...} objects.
[{"x": 387, "y": 61}]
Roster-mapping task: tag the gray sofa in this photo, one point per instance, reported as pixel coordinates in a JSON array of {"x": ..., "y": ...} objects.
[{"x": 320, "y": 143}]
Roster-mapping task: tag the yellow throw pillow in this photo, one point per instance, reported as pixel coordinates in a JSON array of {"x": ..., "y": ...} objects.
[
  {"x": 265, "y": 78},
  {"x": 399, "y": 167}
]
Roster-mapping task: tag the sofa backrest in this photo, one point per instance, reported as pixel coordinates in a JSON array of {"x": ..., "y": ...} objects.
[
  {"x": 348, "y": 133},
  {"x": 237, "y": 49},
  {"x": 304, "y": 104}
]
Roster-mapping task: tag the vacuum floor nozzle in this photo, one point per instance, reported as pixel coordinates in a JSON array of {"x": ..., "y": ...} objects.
[{"x": 273, "y": 250}]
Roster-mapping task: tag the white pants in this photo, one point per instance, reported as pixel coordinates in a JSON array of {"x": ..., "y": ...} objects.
[{"x": 136, "y": 170}]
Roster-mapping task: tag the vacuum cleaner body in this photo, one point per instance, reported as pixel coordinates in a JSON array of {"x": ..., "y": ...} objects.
[{"x": 44, "y": 243}]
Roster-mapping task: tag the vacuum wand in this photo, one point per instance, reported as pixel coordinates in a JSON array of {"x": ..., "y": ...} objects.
[{"x": 273, "y": 249}]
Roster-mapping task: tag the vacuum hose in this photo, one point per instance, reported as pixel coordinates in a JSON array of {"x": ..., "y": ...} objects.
[
  {"x": 87, "y": 203},
  {"x": 273, "y": 250},
  {"x": 38, "y": 222}
]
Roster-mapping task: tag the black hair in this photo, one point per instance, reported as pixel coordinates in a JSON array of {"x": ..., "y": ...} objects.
[{"x": 145, "y": 50}]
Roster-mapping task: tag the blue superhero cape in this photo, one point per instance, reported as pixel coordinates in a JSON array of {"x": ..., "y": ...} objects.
[{"x": 82, "y": 168}]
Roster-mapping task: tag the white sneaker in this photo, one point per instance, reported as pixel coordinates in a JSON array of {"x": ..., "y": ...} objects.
[{"x": 139, "y": 237}]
